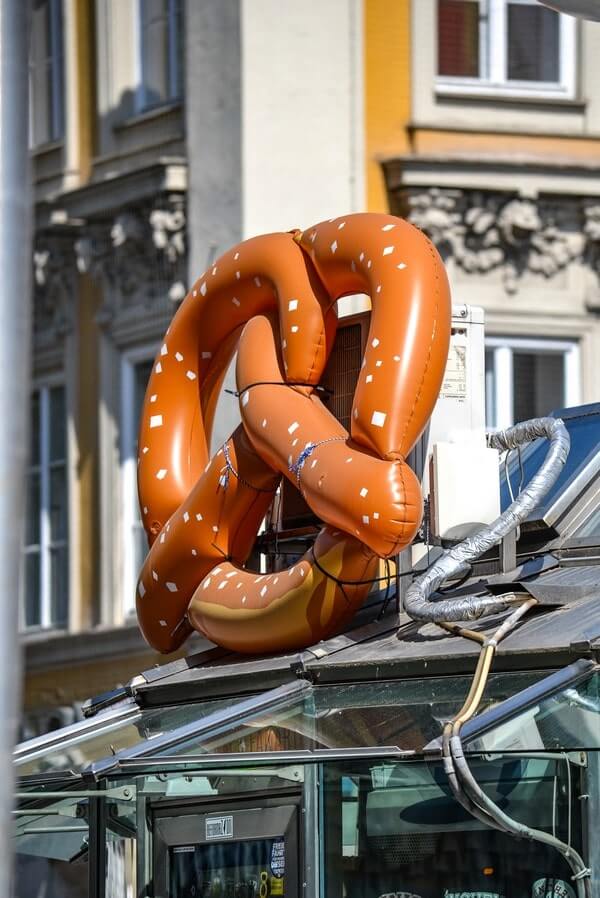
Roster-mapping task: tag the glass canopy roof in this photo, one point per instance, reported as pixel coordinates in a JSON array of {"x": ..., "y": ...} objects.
[
  {"x": 523, "y": 713},
  {"x": 557, "y": 713},
  {"x": 72, "y": 749},
  {"x": 583, "y": 463},
  {"x": 297, "y": 716}
]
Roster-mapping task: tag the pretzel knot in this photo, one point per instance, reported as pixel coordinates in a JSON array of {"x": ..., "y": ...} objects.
[{"x": 273, "y": 298}]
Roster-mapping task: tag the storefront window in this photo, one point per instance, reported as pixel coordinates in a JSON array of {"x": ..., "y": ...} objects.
[{"x": 396, "y": 829}]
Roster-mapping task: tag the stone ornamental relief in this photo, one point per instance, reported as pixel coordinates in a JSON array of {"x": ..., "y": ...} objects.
[
  {"x": 491, "y": 231},
  {"x": 139, "y": 257}
]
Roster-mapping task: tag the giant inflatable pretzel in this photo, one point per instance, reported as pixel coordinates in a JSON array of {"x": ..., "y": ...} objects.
[{"x": 273, "y": 298}]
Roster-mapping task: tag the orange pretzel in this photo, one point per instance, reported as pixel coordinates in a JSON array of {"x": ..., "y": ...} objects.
[{"x": 273, "y": 298}]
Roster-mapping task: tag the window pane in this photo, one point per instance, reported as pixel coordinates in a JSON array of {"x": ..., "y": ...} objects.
[
  {"x": 58, "y": 504},
  {"x": 46, "y": 72},
  {"x": 458, "y": 38},
  {"x": 34, "y": 436},
  {"x": 413, "y": 838},
  {"x": 31, "y": 565},
  {"x": 57, "y": 424},
  {"x": 490, "y": 389},
  {"x": 140, "y": 545},
  {"x": 533, "y": 43},
  {"x": 538, "y": 384},
  {"x": 32, "y": 515},
  {"x": 162, "y": 50},
  {"x": 142, "y": 373},
  {"x": 59, "y": 584}
]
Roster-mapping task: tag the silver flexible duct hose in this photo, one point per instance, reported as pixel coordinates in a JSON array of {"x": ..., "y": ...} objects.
[
  {"x": 474, "y": 792},
  {"x": 417, "y": 602}
]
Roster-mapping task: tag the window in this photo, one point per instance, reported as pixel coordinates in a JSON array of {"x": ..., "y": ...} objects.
[
  {"x": 46, "y": 83},
  {"x": 135, "y": 373},
  {"x": 46, "y": 545},
  {"x": 527, "y": 378},
  {"x": 161, "y": 52},
  {"x": 516, "y": 47}
]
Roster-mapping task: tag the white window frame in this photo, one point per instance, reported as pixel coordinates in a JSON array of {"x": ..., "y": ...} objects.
[
  {"x": 46, "y": 544},
  {"x": 503, "y": 349},
  {"x": 54, "y": 106},
  {"x": 128, "y": 470},
  {"x": 175, "y": 90},
  {"x": 492, "y": 42}
]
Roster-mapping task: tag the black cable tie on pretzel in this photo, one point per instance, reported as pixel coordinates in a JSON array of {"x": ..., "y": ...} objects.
[
  {"x": 352, "y": 582},
  {"x": 318, "y": 388}
]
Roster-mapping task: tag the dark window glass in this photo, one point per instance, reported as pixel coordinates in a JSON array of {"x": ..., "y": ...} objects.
[
  {"x": 490, "y": 389},
  {"x": 532, "y": 43},
  {"x": 58, "y": 503},
  {"x": 458, "y": 38},
  {"x": 142, "y": 373},
  {"x": 46, "y": 555},
  {"x": 58, "y": 424},
  {"x": 46, "y": 79},
  {"x": 538, "y": 384},
  {"x": 396, "y": 830},
  {"x": 162, "y": 51},
  {"x": 584, "y": 431},
  {"x": 34, "y": 435},
  {"x": 32, "y": 519},
  {"x": 240, "y": 868},
  {"x": 32, "y": 587},
  {"x": 59, "y": 584}
]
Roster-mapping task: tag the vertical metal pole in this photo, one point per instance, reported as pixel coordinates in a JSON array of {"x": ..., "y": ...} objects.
[{"x": 15, "y": 316}]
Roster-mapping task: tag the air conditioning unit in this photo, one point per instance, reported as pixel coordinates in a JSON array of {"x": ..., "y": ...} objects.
[{"x": 458, "y": 472}]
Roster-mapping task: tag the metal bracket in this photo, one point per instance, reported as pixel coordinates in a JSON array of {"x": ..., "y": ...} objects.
[{"x": 119, "y": 793}]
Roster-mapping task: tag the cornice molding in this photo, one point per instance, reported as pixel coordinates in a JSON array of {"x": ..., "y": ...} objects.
[{"x": 484, "y": 231}]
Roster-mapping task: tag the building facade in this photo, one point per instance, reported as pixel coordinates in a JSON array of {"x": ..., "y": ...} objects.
[{"x": 164, "y": 131}]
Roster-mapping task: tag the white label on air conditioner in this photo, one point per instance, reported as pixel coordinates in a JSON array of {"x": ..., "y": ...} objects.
[
  {"x": 219, "y": 828},
  {"x": 454, "y": 385}
]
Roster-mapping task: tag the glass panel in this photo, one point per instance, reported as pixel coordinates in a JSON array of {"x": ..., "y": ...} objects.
[
  {"x": 140, "y": 545},
  {"x": 142, "y": 372},
  {"x": 120, "y": 860},
  {"x": 569, "y": 720},
  {"x": 533, "y": 43},
  {"x": 32, "y": 587},
  {"x": 34, "y": 436},
  {"x": 458, "y": 38},
  {"x": 59, "y": 585},
  {"x": 40, "y": 876},
  {"x": 58, "y": 503},
  {"x": 403, "y": 714},
  {"x": 539, "y": 380},
  {"x": 584, "y": 429},
  {"x": 162, "y": 50},
  {"x": 141, "y": 375},
  {"x": 51, "y": 835},
  {"x": 32, "y": 515},
  {"x": 46, "y": 72},
  {"x": 207, "y": 870},
  {"x": 591, "y": 527},
  {"x": 397, "y": 830},
  {"x": 57, "y": 424},
  {"x": 490, "y": 389},
  {"x": 97, "y": 738}
]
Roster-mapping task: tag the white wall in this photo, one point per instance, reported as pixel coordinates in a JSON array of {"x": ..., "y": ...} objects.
[{"x": 302, "y": 129}]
